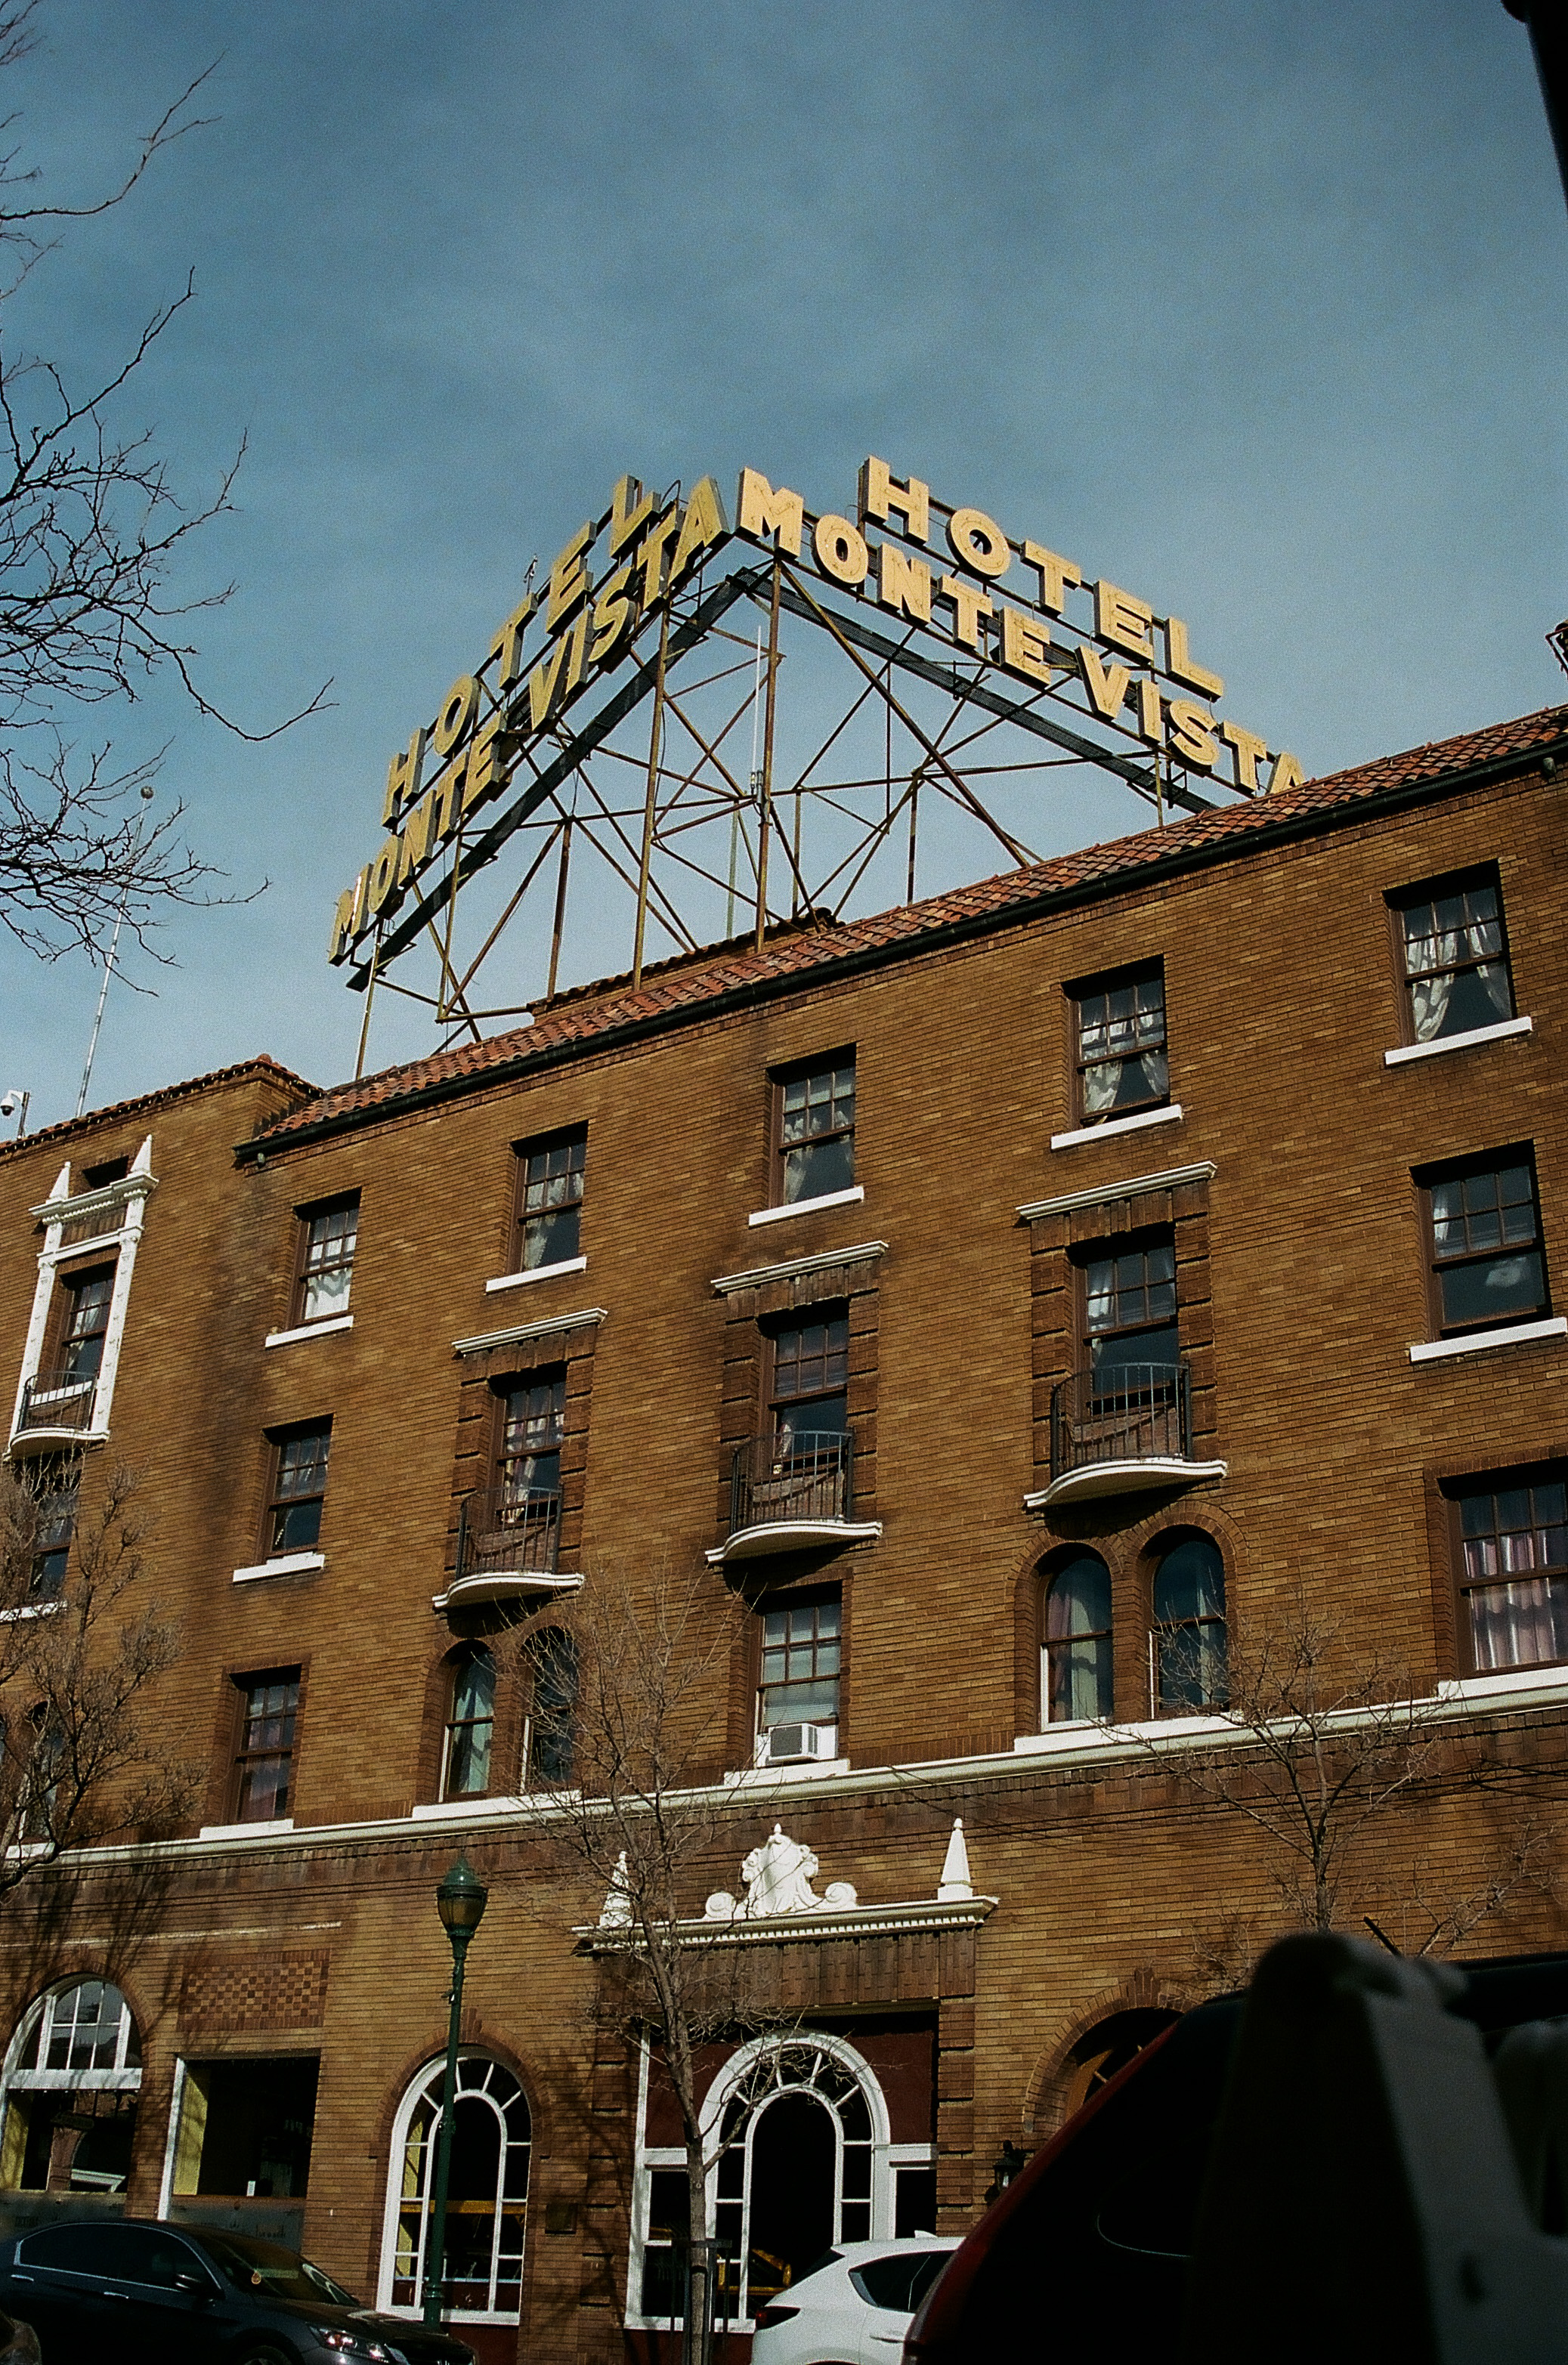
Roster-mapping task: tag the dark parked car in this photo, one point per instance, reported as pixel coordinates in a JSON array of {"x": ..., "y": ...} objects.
[
  {"x": 139, "y": 2292},
  {"x": 1086, "y": 2253}
]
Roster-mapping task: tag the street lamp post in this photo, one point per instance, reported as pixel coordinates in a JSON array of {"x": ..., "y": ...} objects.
[{"x": 460, "y": 1900}]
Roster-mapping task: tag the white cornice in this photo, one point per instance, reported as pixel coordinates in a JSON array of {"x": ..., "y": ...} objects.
[
  {"x": 726, "y": 1284},
  {"x": 780, "y": 1928},
  {"x": 524, "y": 1332},
  {"x": 1148, "y": 1744},
  {"x": 1131, "y": 1187}
]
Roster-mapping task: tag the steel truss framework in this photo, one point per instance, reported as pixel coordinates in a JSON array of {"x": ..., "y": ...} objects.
[{"x": 698, "y": 790}]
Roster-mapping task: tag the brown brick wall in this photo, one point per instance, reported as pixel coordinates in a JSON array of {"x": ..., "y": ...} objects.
[{"x": 1301, "y": 1288}]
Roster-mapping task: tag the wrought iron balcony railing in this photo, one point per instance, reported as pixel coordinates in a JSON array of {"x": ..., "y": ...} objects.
[
  {"x": 58, "y": 1399},
  {"x": 809, "y": 1474},
  {"x": 1137, "y": 1412},
  {"x": 510, "y": 1531}
]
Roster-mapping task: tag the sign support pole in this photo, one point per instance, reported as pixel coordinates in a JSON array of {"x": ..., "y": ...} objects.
[
  {"x": 770, "y": 711},
  {"x": 655, "y": 737}
]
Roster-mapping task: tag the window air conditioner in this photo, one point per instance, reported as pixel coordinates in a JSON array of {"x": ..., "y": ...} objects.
[{"x": 783, "y": 1744}]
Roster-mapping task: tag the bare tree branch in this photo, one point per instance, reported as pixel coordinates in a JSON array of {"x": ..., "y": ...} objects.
[
  {"x": 81, "y": 1758},
  {"x": 91, "y": 531}
]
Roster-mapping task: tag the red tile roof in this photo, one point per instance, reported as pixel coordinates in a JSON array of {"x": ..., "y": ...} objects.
[
  {"x": 92, "y": 1120},
  {"x": 693, "y": 983}
]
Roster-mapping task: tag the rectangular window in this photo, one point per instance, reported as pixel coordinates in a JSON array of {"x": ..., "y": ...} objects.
[
  {"x": 1123, "y": 1060},
  {"x": 801, "y": 1641},
  {"x": 811, "y": 1373},
  {"x": 328, "y": 1236},
  {"x": 264, "y": 1765},
  {"x": 84, "y": 1325},
  {"x": 245, "y": 2128},
  {"x": 54, "y": 1482},
  {"x": 300, "y": 1485},
  {"x": 1454, "y": 955},
  {"x": 550, "y": 1181},
  {"x": 1487, "y": 1267},
  {"x": 1513, "y": 1564},
  {"x": 1129, "y": 1301},
  {"x": 816, "y": 1128}
]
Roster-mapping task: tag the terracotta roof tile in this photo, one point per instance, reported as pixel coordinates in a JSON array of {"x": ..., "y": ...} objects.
[
  {"x": 689, "y": 981},
  {"x": 263, "y": 1064}
]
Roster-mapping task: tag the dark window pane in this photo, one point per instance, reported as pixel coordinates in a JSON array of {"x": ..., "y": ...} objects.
[
  {"x": 817, "y": 1132},
  {"x": 1495, "y": 1289},
  {"x": 552, "y": 1179}
]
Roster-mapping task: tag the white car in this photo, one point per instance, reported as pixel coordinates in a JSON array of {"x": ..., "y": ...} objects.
[{"x": 852, "y": 2309}]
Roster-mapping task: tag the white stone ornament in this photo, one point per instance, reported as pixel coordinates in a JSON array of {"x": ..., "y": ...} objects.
[
  {"x": 616, "y": 1912},
  {"x": 721, "y": 1907},
  {"x": 955, "y": 1883},
  {"x": 778, "y": 1877}
]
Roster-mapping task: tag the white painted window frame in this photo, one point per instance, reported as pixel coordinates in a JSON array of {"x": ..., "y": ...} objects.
[{"x": 129, "y": 1197}]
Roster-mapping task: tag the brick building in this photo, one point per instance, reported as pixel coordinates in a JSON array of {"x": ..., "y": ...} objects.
[{"x": 1000, "y": 1298}]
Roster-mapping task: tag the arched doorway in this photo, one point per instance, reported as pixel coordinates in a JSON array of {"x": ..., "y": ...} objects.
[
  {"x": 802, "y": 2161},
  {"x": 487, "y": 2208},
  {"x": 72, "y": 2077}
]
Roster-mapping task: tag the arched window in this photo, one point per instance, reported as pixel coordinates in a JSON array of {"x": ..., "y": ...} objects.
[
  {"x": 1189, "y": 1627},
  {"x": 470, "y": 1726},
  {"x": 1105, "y": 2051},
  {"x": 70, "y": 2082},
  {"x": 1075, "y": 1663},
  {"x": 486, "y": 2202},
  {"x": 553, "y": 1709}
]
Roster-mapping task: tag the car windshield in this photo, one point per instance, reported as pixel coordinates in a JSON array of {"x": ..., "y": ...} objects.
[{"x": 253, "y": 2266}]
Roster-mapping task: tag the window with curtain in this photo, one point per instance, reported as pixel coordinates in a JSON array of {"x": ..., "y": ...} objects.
[
  {"x": 815, "y": 1118},
  {"x": 328, "y": 1236},
  {"x": 1122, "y": 1054},
  {"x": 551, "y": 1174},
  {"x": 1455, "y": 956},
  {"x": 1189, "y": 1652},
  {"x": 1076, "y": 1655},
  {"x": 1513, "y": 1566},
  {"x": 1486, "y": 1261},
  {"x": 470, "y": 1726}
]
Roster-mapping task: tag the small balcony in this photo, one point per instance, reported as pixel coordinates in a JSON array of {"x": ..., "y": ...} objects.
[
  {"x": 509, "y": 1541},
  {"x": 57, "y": 1408},
  {"x": 789, "y": 1491},
  {"x": 1119, "y": 1431}
]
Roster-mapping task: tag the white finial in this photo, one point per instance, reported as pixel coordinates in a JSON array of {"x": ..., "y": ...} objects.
[
  {"x": 62, "y": 1183},
  {"x": 142, "y": 1162},
  {"x": 616, "y": 1914},
  {"x": 954, "y": 1882}
]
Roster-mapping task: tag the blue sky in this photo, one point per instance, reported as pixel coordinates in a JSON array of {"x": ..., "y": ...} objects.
[{"x": 1261, "y": 311}]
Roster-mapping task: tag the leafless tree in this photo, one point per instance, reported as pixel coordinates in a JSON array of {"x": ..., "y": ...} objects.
[
  {"x": 81, "y": 1756},
  {"x": 1326, "y": 1745},
  {"x": 639, "y": 1820},
  {"x": 89, "y": 532}
]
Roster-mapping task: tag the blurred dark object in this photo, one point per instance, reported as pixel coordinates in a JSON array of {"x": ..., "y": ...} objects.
[
  {"x": 1548, "y": 22},
  {"x": 1090, "y": 2249},
  {"x": 1364, "y": 2198}
]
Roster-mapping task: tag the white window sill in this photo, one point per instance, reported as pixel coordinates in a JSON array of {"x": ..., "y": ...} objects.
[
  {"x": 310, "y": 1330},
  {"x": 1115, "y": 1125},
  {"x": 1433, "y": 1351},
  {"x": 767, "y": 1777},
  {"x": 286, "y": 1564},
  {"x": 246, "y": 1831},
  {"x": 32, "y": 1609},
  {"x": 1497, "y": 1033},
  {"x": 809, "y": 1206},
  {"x": 540, "y": 1272},
  {"x": 1094, "y": 1738},
  {"x": 1506, "y": 1683},
  {"x": 525, "y": 1802}
]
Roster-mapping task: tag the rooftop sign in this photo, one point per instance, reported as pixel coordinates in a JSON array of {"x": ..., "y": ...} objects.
[{"x": 1029, "y": 617}]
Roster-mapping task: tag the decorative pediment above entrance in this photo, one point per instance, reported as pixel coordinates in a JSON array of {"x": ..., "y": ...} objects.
[{"x": 780, "y": 1904}]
